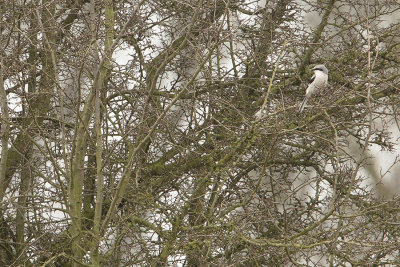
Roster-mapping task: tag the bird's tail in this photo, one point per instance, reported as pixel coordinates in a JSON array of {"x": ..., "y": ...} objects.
[{"x": 303, "y": 104}]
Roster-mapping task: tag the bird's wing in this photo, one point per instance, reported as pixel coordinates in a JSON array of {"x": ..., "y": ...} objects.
[{"x": 312, "y": 79}]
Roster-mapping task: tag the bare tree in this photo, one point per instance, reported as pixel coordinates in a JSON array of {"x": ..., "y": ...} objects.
[{"x": 165, "y": 133}]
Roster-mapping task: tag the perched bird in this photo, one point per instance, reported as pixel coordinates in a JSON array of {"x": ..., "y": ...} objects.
[{"x": 317, "y": 83}]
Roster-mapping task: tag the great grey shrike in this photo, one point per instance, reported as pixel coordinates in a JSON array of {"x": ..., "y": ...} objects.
[{"x": 317, "y": 83}]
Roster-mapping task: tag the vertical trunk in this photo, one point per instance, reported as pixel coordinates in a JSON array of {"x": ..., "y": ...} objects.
[
  {"x": 4, "y": 247},
  {"x": 21, "y": 210},
  {"x": 79, "y": 246},
  {"x": 26, "y": 175},
  {"x": 5, "y": 122},
  {"x": 20, "y": 154},
  {"x": 100, "y": 95},
  {"x": 75, "y": 195}
]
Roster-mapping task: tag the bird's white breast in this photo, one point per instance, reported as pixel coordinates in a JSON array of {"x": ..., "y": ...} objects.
[{"x": 319, "y": 83}]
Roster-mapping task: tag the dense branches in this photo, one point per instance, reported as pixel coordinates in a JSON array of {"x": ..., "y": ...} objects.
[{"x": 165, "y": 133}]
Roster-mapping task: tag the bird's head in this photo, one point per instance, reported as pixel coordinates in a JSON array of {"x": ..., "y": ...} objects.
[{"x": 320, "y": 68}]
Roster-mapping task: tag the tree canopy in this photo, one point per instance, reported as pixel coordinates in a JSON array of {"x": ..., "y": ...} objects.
[{"x": 166, "y": 133}]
